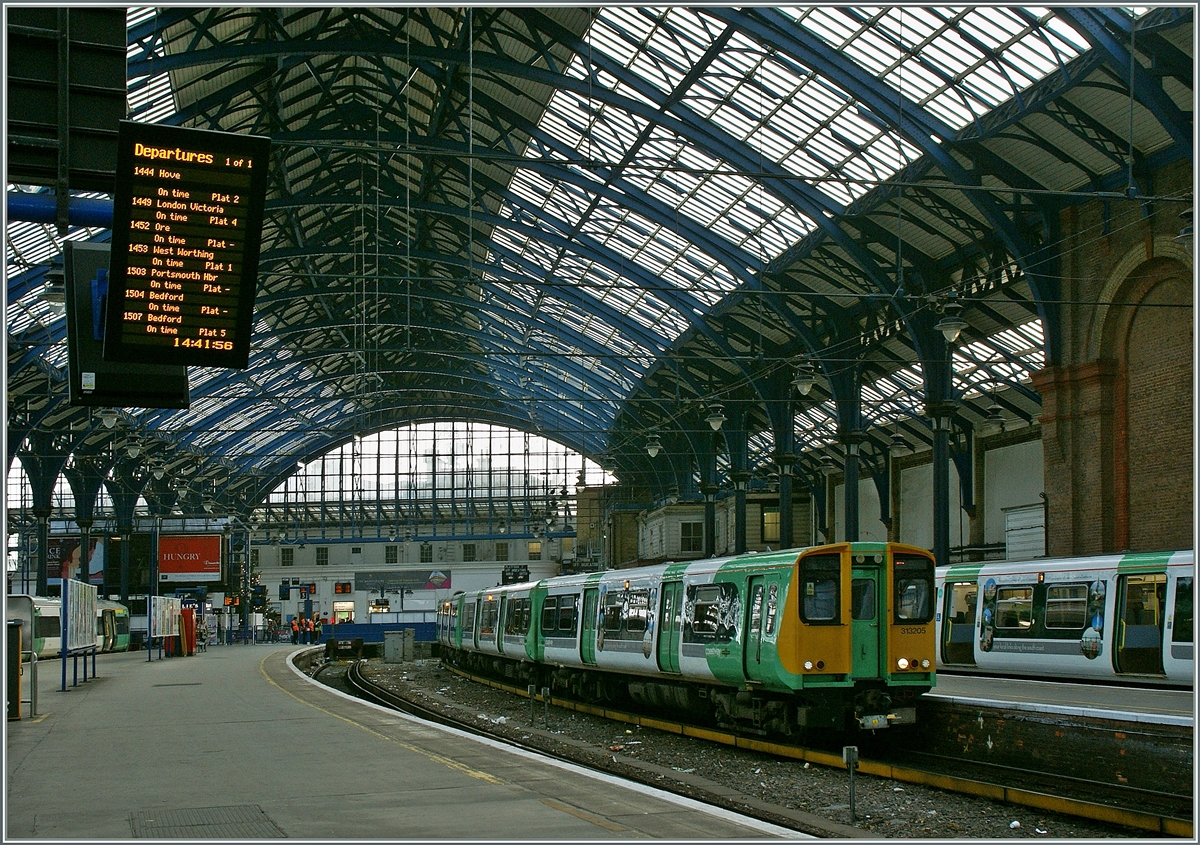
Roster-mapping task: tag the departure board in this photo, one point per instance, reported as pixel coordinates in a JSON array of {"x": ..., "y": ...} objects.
[{"x": 187, "y": 225}]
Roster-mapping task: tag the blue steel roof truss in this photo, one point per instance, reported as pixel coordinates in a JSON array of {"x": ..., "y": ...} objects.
[{"x": 395, "y": 123}]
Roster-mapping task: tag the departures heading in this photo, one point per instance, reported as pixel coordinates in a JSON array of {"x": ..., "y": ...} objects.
[{"x": 187, "y": 228}]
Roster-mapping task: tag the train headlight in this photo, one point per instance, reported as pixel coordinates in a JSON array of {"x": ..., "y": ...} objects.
[
  {"x": 902, "y": 662},
  {"x": 808, "y": 665},
  {"x": 925, "y": 663}
]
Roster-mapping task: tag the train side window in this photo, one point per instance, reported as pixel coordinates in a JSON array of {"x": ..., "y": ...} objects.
[
  {"x": 567, "y": 615},
  {"x": 1182, "y": 630},
  {"x": 862, "y": 598},
  {"x": 772, "y": 609},
  {"x": 468, "y": 624},
  {"x": 638, "y": 611},
  {"x": 820, "y": 589},
  {"x": 487, "y": 617},
  {"x": 714, "y": 611},
  {"x": 756, "y": 607},
  {"x": 48, "y": 626},
  {"x": 1014, "y": 608},
  {"x": 549, "y": 613},
  {"x": 1066, "y": 606},
  {"x": 612, "y": 613}
]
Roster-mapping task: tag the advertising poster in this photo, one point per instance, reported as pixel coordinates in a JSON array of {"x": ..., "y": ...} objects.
[
  {"x": 189, "y": 557},
  {"x": 404, "y": 579},
  {"x": 164, "y": 616},
  {"x": 63, "y": 555},
  {"x": 80, "y": 599}
]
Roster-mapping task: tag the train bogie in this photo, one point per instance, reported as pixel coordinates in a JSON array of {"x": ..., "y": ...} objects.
[
  {"x": 1125, "y": 618},
  {"x": 776, "y": 642}
]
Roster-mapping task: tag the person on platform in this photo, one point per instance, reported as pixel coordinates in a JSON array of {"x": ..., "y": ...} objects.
[
  {"x": 316, "y": 630},
  {"x": 295, "y": 631},
  {"x": 306, "y": 627}
]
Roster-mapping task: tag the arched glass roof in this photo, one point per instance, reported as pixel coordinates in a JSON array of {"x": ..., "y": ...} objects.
[{"x": 591, "y": 224}]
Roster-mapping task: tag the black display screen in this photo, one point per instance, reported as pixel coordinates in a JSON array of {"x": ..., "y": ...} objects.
[{"x": 187, "y": 225}]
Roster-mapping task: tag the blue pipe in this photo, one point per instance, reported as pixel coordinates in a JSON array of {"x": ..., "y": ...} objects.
[{"x": 42, "y": 208}]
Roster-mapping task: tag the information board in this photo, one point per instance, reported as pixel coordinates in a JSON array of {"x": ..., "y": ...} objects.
[{"x": 187, "y": 225}]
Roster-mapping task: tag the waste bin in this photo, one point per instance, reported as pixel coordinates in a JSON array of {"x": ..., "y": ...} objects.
[{"x": 13, "y": 687}]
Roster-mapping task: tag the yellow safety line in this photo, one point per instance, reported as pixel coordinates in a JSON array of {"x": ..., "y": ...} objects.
[{"x": 437, "y": 758}]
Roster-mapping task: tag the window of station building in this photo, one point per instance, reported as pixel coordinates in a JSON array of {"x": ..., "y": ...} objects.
[
  {"x": 1066, "y": 606},
  {"x": 427, "y": 553},
  {"x": 287, "y": 557},
  {"x": 691, "y": 536},
  {"x": 391, "y": 554},
  {"x": 322, "y": 555},
  {"x": 535, "y": 550},
  {"x": 502, "y": 550},
  {"x": 468, "y": 552},
  {"x": 770, "y": 523}
]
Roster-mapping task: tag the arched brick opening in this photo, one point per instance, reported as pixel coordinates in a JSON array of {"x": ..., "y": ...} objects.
[{"x": 1152, "y": 447}]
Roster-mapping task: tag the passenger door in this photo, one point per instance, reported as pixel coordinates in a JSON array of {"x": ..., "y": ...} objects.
[
  {"x": 866, "y": 609},
  {"x": 958, "y": 622},
  {"x": 587, "y": 630},
  {"x": 670, "y": 626},
  {"x": 1139, "y": 633},
  {"x": 756, "y": 615}
]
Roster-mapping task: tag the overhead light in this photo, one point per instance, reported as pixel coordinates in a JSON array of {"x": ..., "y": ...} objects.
[
  {"x": 159, "y": 471},
  {"x": 653, "y": 445},
  {"x": 952, "y": 324},
  {"x": 54, "y": 291},
  {"x": 716, "y": 417},
  {"x": 108, "y": 416},
  {"x": 993, "y": 423},
  {"x": 805, "y": 376},
  {"x": 898, "y": 446},
  {"x": 133, "y": 450},
  {"x": 1185, "y": 234},
  {"x": 828, "y": 467}
]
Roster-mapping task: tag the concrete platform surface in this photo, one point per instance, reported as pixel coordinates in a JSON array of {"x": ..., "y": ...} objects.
[{"x": 235, "y": 743}]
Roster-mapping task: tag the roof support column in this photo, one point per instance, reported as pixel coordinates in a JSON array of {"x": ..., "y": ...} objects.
[
  {"x": 852, "y": 440},
  {"x": 43, "y": 462},
  {"x": 786, "y": 461}
]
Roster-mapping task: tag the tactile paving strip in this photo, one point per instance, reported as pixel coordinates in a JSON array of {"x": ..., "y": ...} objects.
[{"x": 246, "y": 821}]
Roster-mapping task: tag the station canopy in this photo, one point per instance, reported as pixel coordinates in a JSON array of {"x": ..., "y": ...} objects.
[{"x": 597, "y": 225}]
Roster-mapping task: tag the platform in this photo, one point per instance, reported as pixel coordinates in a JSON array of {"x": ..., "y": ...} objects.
[
  {"x": 1097, "y": 701},
  {"x": 235, "y": 743}
]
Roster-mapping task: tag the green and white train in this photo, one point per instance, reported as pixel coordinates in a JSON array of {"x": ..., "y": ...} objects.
[
  {"x": 834, "y": 636},
  {"x": 41, "y": 623}
]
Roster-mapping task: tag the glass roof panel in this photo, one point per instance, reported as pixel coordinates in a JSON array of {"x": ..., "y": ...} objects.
[{"x": 958, "y": 62}]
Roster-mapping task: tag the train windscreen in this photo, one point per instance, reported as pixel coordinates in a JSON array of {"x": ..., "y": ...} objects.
[{"x": 914, "y": 589}]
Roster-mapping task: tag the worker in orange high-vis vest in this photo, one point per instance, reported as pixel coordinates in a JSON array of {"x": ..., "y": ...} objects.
[
  {"x": 306, "y": 630},
  {"x": 295, "y": 631}
]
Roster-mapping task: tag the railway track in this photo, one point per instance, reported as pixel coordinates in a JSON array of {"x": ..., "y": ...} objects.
[
  {"x": 366, "y": 689},
  {"x": 1139, "y": 809}
]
